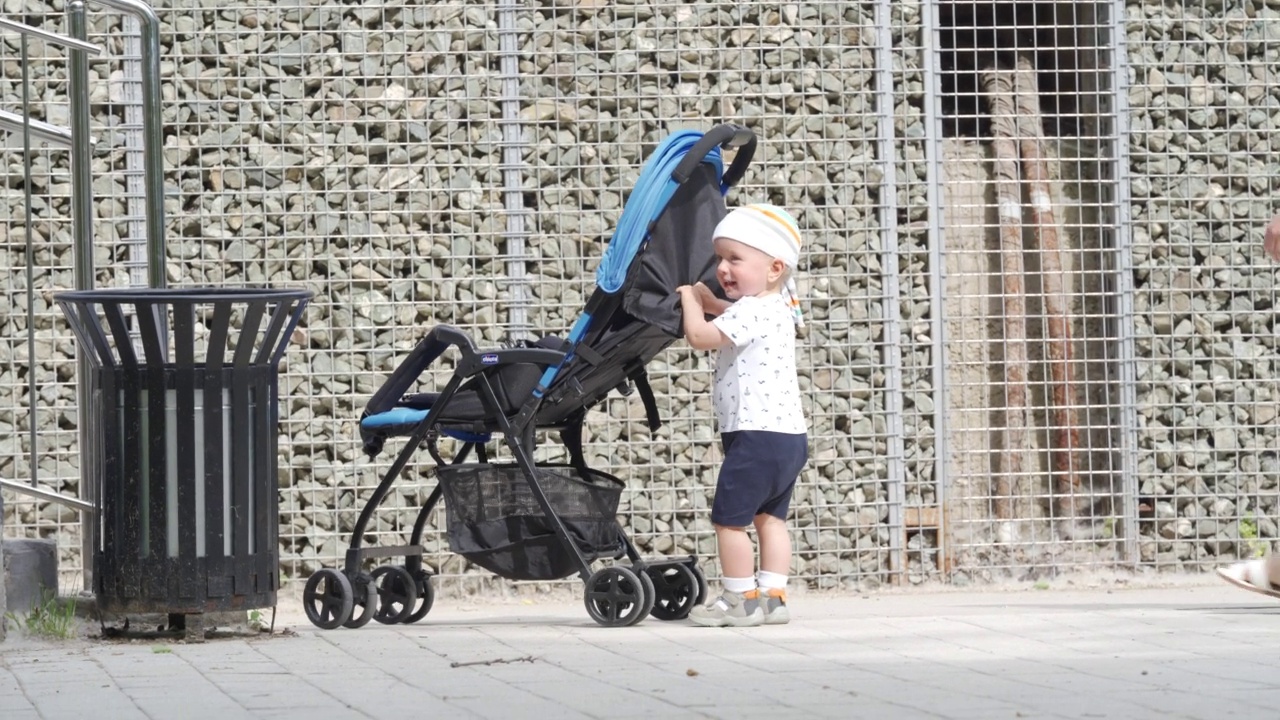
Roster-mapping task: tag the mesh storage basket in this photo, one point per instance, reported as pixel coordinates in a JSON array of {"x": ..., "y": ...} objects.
[{"x": 495, "y": 521}]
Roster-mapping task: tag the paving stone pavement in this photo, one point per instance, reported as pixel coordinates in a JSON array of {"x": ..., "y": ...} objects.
[{"x": 1192, "y": 650}]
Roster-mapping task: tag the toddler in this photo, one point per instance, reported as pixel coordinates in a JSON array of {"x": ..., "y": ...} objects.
[{"x": 757, "y": 405}]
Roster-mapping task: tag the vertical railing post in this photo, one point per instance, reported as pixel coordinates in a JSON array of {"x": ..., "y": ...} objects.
[
  {"x": 512, "y": 176},
  {"x": 935, "y": 177},
  {"x": 152, "y": 133},
  {"x": 30, "y": 262},
  {"x": 1124, "y": 288},
  {"x": 82, "y": 253},
  {"x": 892, "y": 293}
]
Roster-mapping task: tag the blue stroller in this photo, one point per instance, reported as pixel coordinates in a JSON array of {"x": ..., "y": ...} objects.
[{"x": 528, "y": 521}]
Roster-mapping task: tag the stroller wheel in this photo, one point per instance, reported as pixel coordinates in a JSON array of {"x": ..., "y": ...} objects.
[
  {"x": 692, "y": 566},
  {"x": 675, "y": 591},
  {"x": 649, "y": 594},
  {"x": 327, "y": 598},
  {"x": 426, "y": 598},
  {"x": 617, "y": 597},
  {"x": 365, "y": 600},
  {"x": 397, "y": 592}
]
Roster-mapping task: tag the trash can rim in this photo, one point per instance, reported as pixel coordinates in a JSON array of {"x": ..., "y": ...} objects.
[{"x": 187, "y": 294}]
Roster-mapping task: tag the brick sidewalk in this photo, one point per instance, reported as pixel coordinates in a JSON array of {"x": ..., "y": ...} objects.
[{"x": 1194, "y": 651}]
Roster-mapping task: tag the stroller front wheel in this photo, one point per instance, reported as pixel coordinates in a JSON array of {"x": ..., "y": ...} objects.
[
  {"x": 327, "y": 598},
  {"x": 676, "y": 591},
  {"x": 617, "y": 597},
  {"x": 692, "y": 566}
]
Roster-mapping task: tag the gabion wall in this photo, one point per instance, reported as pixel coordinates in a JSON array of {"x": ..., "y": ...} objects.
[
  {"x": 463, "y": 163},
  {"x": 1201, "y": 149}
]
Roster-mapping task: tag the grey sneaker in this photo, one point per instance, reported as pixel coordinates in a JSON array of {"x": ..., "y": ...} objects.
[
  {"x": 731, "y": 609},
  {"x": 775, "y": 607}
]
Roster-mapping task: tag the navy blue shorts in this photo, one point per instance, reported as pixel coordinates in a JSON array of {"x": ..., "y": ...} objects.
[{"x": 758, "y": 475}]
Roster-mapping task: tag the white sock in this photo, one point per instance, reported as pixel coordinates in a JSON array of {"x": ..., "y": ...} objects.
[
  {"x": 738, "y": 585},
  {"x": 772, "y": 581}
]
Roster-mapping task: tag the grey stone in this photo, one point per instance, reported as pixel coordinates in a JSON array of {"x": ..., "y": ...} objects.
[{"x": 30, "y": 572}]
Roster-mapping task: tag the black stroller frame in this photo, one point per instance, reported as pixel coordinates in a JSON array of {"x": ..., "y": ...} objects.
[{"x": 526, "y": 521}]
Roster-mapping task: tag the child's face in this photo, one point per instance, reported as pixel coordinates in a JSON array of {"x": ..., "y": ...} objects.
[{"x": 744, "y": 270}]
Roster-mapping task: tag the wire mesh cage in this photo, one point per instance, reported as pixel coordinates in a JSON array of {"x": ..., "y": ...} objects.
[{"x": 1041, "y": 332}]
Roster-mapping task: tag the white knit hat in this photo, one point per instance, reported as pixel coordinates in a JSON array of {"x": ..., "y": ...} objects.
[{"x": 772, "y": 231}]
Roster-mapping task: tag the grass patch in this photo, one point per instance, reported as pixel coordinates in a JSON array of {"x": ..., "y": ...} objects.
[{"x": 54, "y": 618}]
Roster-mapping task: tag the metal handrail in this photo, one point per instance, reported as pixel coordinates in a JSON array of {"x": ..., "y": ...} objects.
[
  {"x": 49, "y": 495},
  {"x": 40, "y": 130},
  {"x": 49, "y": 37},
  {"x": 77, "y": 139}
]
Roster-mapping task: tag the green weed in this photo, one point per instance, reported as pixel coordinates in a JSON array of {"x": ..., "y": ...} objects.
[
  {"x": 53, "y": 618},
  {"x": 258, "y": 621},
  {"x": 1249, "y": 536}
]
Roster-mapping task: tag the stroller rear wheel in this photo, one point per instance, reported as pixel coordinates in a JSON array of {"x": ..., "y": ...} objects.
[
  {"x": 397, "y": 593},
  {"x": 365, "y": 597},
  {"x": 616, "y": 596},
  {"x": 676, "y": 591},
  {"x": 327, "y": 598}
]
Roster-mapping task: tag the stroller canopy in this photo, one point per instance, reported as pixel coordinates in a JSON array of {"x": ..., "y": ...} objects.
[{"x": 648, "y": 200}]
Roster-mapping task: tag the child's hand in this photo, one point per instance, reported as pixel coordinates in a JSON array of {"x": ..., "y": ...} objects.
[
  {"x": 689, "y": 294},
  {"x": 705, "y": 296},
  {"x": 1271, "y": 238},
  {"x": 702, "y": 335}
]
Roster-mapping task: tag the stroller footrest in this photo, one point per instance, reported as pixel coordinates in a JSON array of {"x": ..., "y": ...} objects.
[{"x": 404, "y": 420}]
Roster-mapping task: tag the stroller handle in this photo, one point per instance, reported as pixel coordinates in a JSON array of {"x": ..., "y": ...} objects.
[{"x": 725, "y": 136}]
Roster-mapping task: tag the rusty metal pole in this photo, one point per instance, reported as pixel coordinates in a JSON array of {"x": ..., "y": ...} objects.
[{"x": 1063, "y": 389}]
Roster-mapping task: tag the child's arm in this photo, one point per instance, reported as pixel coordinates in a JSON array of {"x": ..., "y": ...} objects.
[{"x": 700, "y": 334}]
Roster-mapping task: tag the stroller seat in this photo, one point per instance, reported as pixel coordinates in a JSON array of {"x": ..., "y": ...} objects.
[
  {"x": 519, "y": 519},
  {"x": 464, "y": 417}
]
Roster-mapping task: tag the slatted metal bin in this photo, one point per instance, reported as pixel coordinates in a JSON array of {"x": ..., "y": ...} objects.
[{"x": 182, "y": 443}]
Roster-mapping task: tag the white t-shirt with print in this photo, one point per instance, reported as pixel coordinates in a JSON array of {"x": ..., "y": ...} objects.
[{"x": 755, "y": 380}]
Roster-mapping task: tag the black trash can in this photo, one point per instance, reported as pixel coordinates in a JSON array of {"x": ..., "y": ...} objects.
[{"x": 183, "y": 441}]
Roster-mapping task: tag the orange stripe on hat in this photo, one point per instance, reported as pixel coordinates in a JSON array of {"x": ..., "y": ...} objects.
[{"x": 780, "y": 218}]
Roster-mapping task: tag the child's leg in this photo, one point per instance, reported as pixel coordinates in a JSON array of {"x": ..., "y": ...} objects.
[
  {"x": 775, "y": 544},
  {"x": 737, "y": 555},
  {"x": 739, "y": 604},
  {"x": 738, "y": 494},
  {"x": 775, "y": 564}
]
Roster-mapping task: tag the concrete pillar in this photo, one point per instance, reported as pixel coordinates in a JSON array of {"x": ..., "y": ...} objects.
[{"x": 31, "y": 573}]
